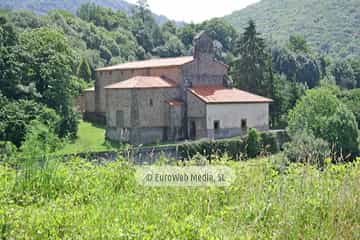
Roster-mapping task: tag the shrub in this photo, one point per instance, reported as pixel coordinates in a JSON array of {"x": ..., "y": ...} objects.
[
  {"x": 68, "y": 126},
  {"x": 321, "y": 114},
  {"x": 306, "y": 148},
  {"x": 253, "y": 143},
  {"x": 233, "y": 147},
  {"x": 236, "y": 148},
  {"x": 16, "y": 116},
  {"x": 270, "y": 142},
  {"x": 7, "y": 150}
]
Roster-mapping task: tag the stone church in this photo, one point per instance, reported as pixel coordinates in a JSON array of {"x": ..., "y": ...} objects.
[{"x": 172, "y": 99}]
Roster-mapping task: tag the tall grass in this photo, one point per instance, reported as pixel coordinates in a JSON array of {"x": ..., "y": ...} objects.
[{"x": 79, "y": 200}]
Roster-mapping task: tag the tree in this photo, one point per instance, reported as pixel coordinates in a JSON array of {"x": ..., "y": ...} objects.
[
  {"x": 105, "y": 53},
  {"x": 281, "y": 94},
  {"x": 102, "y": 16},
  {"x": 169, "y": 27},
  {"x": 298, "y": 44},
  {"x": 144, "y": 25},
  {"x": 48, "y": 63},
  {"x": 351, "y": 99},
  {"x": 187, "y": 33},
  {"x": 299, "y": 67},
  {"x": 172, "y": 48},
  {"x": 9, "y": 65},
  {"x": 307, "y": 71},
  {"x": 220, "y": 30},
  {"x": 322, "y": 115},
  {"x": 344, "y": 75},
  {"x": 249, "y": 70},
  {"x": 143, "y": 10},
  {"x": 355, "y": 65},
  {"x": 83, "y": 70}
]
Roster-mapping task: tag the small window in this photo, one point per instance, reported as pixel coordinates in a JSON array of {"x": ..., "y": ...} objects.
[
  {"x": 151, "y": 102},
  {"x": 243, "y": 124},
  {"x": 216, "y": 126}
]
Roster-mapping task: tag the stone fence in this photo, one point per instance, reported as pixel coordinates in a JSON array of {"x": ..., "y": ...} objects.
[{"x": 139, "y": 155}]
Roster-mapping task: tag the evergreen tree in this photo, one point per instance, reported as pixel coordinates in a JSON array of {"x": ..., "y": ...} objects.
[{"x": 249, "y": 70}]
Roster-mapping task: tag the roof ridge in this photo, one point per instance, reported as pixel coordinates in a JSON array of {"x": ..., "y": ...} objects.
[{"x": 161, "y": 63}]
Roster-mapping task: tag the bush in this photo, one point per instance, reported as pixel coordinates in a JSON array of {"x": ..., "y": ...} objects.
[
  {"x": 7, "y": 150},
  {"x": 233, "y": 147},
  {"x": 16, "y": 116},
  {"x": 253, "y": 143},
  {"x": 68, "y": 126},
  {"x": 306, "y": 148},
  {"x": 40, "y": 141},
  {"x": 321, "y": 114},
  {"x": 237, "y": 149}
]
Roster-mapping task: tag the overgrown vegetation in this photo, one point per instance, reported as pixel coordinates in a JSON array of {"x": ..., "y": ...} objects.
[{"x": 267, "y": 200}]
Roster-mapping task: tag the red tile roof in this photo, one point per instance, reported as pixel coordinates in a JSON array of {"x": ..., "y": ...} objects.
[
  {"x": 143, "y": 82},
  {"x": 220, "y": 94},
  {"x": 174, "y": 103},
  {"x": 152, "y": 63}
]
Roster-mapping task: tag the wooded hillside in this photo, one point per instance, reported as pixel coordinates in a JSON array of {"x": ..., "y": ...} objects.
[{"x": 330, "y": 26}]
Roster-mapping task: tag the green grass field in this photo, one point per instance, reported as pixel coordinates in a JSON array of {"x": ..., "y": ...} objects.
[
  {"x": 90, "y": 138},
  {"x": 268, "y": 200}
]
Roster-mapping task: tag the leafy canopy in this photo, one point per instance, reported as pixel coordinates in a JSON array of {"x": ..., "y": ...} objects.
[{"x": 323, "y": 115}]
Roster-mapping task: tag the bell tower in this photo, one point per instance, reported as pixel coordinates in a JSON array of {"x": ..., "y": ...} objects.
[{"x": 203, "y": 46}]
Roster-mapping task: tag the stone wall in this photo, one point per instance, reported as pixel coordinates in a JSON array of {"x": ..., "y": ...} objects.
[
  {"x": 176, "y": 119},
  {"x": 204, "y": 71},
  {"x": 105, "y": 78},
  {"x": 144, "y": 114},
  {"x": 89, "y": 101},
  {"x": 138, "y": 155},
  {"x": 118, "y": 100},
  {"x": 155, "y": 114},
  {"x": 80, "y": 103},
  {"x": 196, "y": 113}
]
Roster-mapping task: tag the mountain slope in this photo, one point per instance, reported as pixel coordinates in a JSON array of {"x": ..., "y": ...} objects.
[
  {"x": 331, "y": 26},
  {"x": 43, "y": 6}
]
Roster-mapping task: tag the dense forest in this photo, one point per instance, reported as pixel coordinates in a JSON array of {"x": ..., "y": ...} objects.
[
  {"x": 46, "y": 61},
  {"x": 330, "y": 27}
]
